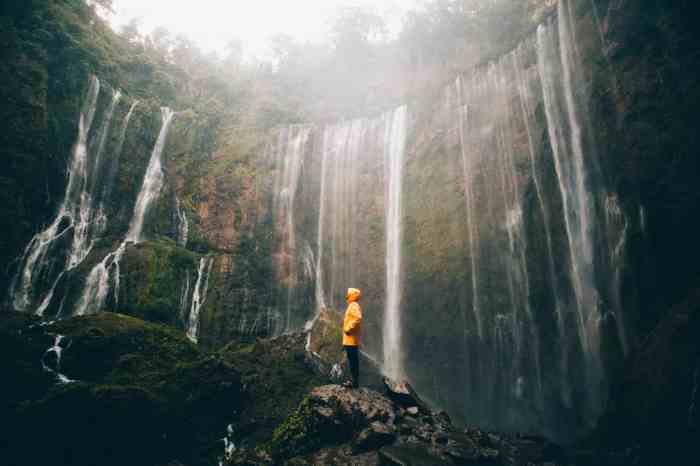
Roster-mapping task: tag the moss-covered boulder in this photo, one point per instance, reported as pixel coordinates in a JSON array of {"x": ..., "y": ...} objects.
[
  {"x": 276, "y": 377},
  {"x": 331, "y": 414},
  {"x": 133, "y": 393},
  {"x": 23, "y": 342}
]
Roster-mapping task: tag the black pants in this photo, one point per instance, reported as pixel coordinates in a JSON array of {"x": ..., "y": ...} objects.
[{"x": 354, "y": 363}]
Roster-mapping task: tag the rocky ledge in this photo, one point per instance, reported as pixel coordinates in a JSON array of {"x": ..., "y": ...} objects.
[{"x": 335, "y": 425}]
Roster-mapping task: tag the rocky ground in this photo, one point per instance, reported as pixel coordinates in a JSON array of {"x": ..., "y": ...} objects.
[
  {"x": 110, "y": 389},
  {"x": 335, "y": 425},
  {"x": 125, "y": 391}
]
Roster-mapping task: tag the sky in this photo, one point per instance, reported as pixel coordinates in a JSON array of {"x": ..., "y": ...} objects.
[{"x": 213, "y": 23}]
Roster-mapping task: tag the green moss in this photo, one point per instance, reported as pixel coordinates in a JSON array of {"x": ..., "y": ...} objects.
[
  {"x": 153, "y": 280},
  {"x": 143, "y": 383},
  {"x": 277, "y": 378},
  {"x": 296, "y": 435}
]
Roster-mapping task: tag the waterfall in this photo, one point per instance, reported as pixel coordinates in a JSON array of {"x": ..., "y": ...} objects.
[
  {"x": 56, "y": 350},
  {"x": 618, "y": 227},
  {"x": 97, "y": 284},
  {"x": 492, "y": 110},
  {"x": 184, "y": 298},
  {"x": 199, "y": 296},
  {"x": 91, "y": 222},
  {"x": 471, "y": 223},
  {"x": 524, "y": 82},
  {"x": 152, "y": 181},
  {"x": 290, "y": 151},
  {"x": 114, "y": 161},
  {"x": 183, "y": 227},
  {"x": 528, "y": 271},
  {"x": 394, "y": 147},
  {"x": 566, "y": 141},
  {"x": 36, "y": 265},
  {"x": 320, "y": 298}
]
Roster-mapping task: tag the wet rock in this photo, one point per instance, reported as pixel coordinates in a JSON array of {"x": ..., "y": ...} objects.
[
  {"x": 460, "y": 447},
  {"x": 413, "y": 411},
  {"x": 443, "y": 418},
  {"x": 530, "y": 449},
  {"x": 403, "y": 394},
  {"x": 366, "y": 406},
  {"x": 408, "y": 454},
  {"x": 332, "y": 414},
  {"x": 374, "y": 437},
  {"x": 338, "y": 456}
]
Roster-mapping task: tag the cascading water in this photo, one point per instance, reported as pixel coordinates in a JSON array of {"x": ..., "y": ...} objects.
[
  {"x": 473, "y": 235},
  {"x": 97, "y": 284},
  {"x": 319, "y": 295},
  {"x": 184, "y": 299},
  {"x": 113, "y": 163},
  {"x": 501, "y": 342},
  {"x": 91, "y": 221},
  {"x": 152, "y": 181},
  {"x": 183, "y": 227},
  {"x": 566, "y": 137},
  {"x": 618, "y": 227},
  {"x": 41, "y": 262},
  {"x": 394, "y": 148},
  {"x": 55, "y": 351},
  {"x": 290, "y": 152},
  {"x": 525, "y": 79},
  {"x": 199, "y": 296}
]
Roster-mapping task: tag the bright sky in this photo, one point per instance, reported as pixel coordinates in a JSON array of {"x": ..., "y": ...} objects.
[{"x": 213, "y": 23}]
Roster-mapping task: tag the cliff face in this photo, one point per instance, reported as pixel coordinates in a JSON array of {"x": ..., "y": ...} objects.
[{"x": 537, "y": 226}]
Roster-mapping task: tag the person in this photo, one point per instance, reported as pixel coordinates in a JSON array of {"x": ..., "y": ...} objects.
[{"x": 352, "y": 325}]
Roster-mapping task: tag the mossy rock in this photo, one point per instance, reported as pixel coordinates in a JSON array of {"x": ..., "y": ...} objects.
[
  {"x": 102, "y": 424},
  {"x": 142, "y": 393},
  {"x": 99, "y": 342},
  {"x": 276, "y": 376}
]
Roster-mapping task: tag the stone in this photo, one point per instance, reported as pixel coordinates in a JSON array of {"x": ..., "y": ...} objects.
[
  {"x": 409, "y": 454},
  {"x": 374, "y": 437},
  {"x": 413, "y": 410},
  {"x": 403, "y": 394},
  {"x": 332, "y": 414},
  {"x": 341, "y": 456},
  {"x": 460, "y": 447},
  {"x": 361, "y": 404}
]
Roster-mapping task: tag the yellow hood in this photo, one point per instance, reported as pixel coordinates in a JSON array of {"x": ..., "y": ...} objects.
[{"x": 353, "y": 295}]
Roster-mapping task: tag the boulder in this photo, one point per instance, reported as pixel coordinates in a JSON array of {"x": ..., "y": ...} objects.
[
  {"x": 373, "y": 437},
  {"x": 410, "y": 454},
  {"x": 463, "y": 450},
  {"x": 403, "y": 394},
  {"x": 332, "y": 414}
]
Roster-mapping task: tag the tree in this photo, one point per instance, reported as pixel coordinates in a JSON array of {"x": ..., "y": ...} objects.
[
  {"x": 161, "y": 41},
  {"x": 106, "y": 5},
  {"x": 131, "y": 31},
  {"x": 356, "y": 26}
]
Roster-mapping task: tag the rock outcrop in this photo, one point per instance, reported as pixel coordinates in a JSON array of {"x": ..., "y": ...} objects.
[{"x": 337, "y": 425}]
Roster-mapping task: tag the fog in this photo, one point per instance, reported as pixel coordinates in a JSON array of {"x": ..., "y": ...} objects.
[{"x": 214, "y": 23}]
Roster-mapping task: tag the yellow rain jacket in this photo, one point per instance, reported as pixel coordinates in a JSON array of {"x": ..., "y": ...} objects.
[{"x": 353, "y": 318}]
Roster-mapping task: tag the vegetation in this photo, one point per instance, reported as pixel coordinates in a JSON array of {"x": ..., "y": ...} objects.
[{"x": 277, "y": 378}]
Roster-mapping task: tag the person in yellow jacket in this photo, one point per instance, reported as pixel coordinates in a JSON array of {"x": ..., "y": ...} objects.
[{"x": 352, "y": 325}]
